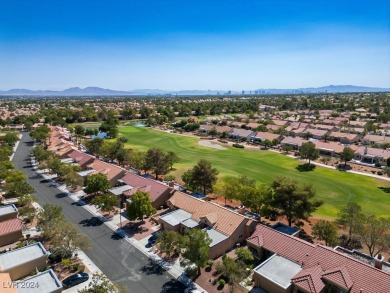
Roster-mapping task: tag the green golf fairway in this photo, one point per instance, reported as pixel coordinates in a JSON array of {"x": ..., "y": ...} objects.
[{"x": 335, "y": 188}]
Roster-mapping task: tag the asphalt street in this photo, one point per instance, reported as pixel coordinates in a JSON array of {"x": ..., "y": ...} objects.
[{"x": 117, "y": 258}]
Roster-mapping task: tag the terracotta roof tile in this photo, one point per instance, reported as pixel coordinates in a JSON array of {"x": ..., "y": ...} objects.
[
  {"x": 227, "y": 221},
  {"x": 339, "y": 276},
  {"x": 310, "y": 279},
  {"x": 365, "y": 278},
  {"x": 155, "y": 188},
  {"x": 10, "y": 226},
  {"x": 284, "y": 245}
]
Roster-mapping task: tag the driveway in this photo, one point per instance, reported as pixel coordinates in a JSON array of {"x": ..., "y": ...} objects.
[{"x": 117, "y": 258}]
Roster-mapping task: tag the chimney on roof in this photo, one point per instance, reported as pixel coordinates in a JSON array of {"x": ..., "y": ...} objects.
[
  {"x": 365, "y": 151},
  {"x": 378, "y": 261},
  {"x": 171, "y": 183}
]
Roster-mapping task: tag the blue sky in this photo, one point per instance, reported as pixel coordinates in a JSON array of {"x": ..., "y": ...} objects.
[{"x": 193, "y": 44}]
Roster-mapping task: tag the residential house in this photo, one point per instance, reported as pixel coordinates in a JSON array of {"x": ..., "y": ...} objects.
[
  {"x": 113, "y": 173},
  {"x": 10, "y": 231},
  {"x": 222, "y": 129},
  {"x": 372, "y": 156},
  {"x": 323, "y": 127},
  {"x": 158, "y": 192},
  {"x": 47, "y": 282},
  {"x": 262, "y": 136},
  {"x": 21, "y": 262},
  {"x": 291, "y": 265},
  {"x": 330, "y": 148},
  {"x": 80, "y": 158},
  {"x": 272, "y": 127},
  {"x": 345, "y": 138},
  {"x": 205, "y": 128},
  {"x": 8, "y": 212},
  {"x": 294, "y": 142},
  {"x": 252, "y": 125},
  {"x": 238, "y": 133},
  {"x": 225, "y": 227},
  {"x": 375, "y": 140},
  {"x": 316, "y": 133}
]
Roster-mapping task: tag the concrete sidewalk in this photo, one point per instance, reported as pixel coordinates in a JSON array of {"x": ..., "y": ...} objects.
[{"x": 173, "y": 269}]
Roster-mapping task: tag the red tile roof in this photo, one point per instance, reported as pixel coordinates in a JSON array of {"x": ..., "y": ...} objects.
[
  {"x": 321, "y": 263},
  {"x": 362, "y": 277},
  {"x": 291, "y": 248},
  {"x": 111, "y": 171},
  {"x": 224, "y": 220},
  {"x": 339, "y": 276},
  {"x": 155, "y": 188},
  {"x": 10, "y": 226},
  {"x": 81, "y": 158},
  {"x": 309, "y": 279}
]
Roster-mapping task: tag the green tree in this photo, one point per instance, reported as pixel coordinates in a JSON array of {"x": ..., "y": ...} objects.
[
  {"x": 156, "y": 161},
  {"x": 212, "y": 132},
  {"x": 111, "y": 149},
  {"x": 140, "y": 206},
  {"x": 72, "y": 179},
  {"x": 325, "y": 137},
  {"x": 26, "y": 200},
  {"x": 49, "y": 217},
  {"x": 67, "y": 236},
  {"x": 196, "y": 245},
  {"x": 201, "y": 177},
  {"x": 40, "y": 153},
  {"x": 79, "y": 131},
  {"x": 10, "y": 138},
  {"x": 256, "y": 197},
  {"x": 96, "y": 183},
  {"x": 232, "y": 270},
  {"x": 16, "y": 185},
  {"x": 350, "y": 219},
  {"x": 101, "y": 284},
  {"x": 5, "y": 167},
  {"x": 169, "y": 242},
  {"x": 94, "y": 145},
  {"x": 230, "y": 188},
  {"x": 106, "y": 202},
  {"x": 375, "y": 234},
  {"x": 308, "y": 151},
  {"x": 292, "y": 200},
  {"x": 287, "y": 148},
  {"x": 245, "y": 255},
  {"x": 346, "y": 155},
  {"x": 172, "y": 158},
  {"x": 267, "y": 143},
  {"x": 325, "y": 231}
]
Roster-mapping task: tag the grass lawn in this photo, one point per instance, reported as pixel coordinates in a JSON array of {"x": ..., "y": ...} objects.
[{"x": 335, "y": 188}]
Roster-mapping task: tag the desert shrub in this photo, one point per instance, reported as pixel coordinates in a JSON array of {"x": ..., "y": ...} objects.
[
  {"x": 378, "y": 165},
  {"x": 237, "y": 145}
]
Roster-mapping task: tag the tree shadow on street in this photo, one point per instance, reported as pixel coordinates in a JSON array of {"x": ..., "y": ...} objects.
[
  {"x": 92, "y": 222},
  {"x": 172, "y": 286},
  {"x": 152, "y": 268}
]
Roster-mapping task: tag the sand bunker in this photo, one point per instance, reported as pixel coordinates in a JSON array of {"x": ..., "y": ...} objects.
[{"x": 210, "y": 144}]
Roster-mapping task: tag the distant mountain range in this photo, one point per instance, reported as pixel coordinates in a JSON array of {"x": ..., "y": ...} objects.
[{"x": 97, "y": 91}]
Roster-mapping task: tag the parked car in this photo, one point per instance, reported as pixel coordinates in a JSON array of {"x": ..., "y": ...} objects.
[
  {"x": 75, "y": 280},
  {"x": 152, "y": 239}
]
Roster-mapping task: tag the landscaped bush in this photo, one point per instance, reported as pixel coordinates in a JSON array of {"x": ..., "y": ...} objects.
[
  {"x": 378, "y": 165},
  {"x": 373, "y": 171},
  {"x": 239, "y": 146},
  {"x": 379, "y": 173},
  {"x": 221, "y": 282}
]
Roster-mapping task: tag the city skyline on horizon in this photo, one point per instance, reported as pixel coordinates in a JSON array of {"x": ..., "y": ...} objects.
[{"x": 194, "y": 45}]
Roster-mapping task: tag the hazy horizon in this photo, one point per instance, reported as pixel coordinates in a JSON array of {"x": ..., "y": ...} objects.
[{"x": 194, "y": 45}]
